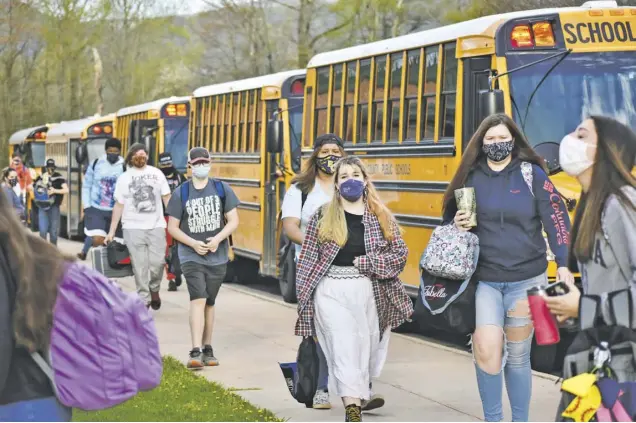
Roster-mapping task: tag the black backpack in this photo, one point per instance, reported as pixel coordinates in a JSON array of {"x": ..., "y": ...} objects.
[
  {"x": 609, "y": 350},
  {"x": 287, "y": 260}
]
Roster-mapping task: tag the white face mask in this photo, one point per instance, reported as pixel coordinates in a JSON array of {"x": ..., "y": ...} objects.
[
  {"x": 201, "y": 171},
  {"x": 573, "y": 156}
]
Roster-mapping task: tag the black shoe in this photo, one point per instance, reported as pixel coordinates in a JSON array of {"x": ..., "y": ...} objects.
[
  {"x": 155, "y": 300},
  {"x": 172, "y": 286},
  {"x": 195, "y": 361},
  {"x": 81, "y": 256},
  {"x": 353, "y": 413},
  {"x": 208, "y": 356},
  {"x": 376, "y": 401}
]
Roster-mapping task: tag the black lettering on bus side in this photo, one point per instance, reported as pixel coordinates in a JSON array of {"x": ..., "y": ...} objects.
[{"x": 605, "y": 32}]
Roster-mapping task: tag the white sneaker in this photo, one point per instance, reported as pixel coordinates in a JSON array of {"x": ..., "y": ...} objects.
[{"x": 321, "y": 400}]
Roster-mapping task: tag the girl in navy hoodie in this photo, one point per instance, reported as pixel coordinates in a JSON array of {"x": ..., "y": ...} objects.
[{"x": 513, "y": 255}]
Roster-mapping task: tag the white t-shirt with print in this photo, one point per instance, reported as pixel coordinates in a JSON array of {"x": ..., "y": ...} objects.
[
  {"x": 140, "y": 191},
  {"x": 292, "y": 206}
]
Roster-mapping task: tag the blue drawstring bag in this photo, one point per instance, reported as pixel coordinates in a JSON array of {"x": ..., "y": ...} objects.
[{"x": 301, "y": 376}]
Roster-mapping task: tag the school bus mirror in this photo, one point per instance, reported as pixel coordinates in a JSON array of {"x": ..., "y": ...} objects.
[
  {"x": 81, "y": 153},
  {"x": 549, "y": 151},
  {"x": 275, "y": 136},
  {"x": 490, "y": 102}
]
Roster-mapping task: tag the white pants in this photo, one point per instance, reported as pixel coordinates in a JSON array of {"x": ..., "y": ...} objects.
[{"x": 346, "y": 321}]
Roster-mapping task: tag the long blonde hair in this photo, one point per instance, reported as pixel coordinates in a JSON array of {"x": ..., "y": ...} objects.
[{"x": 332, "y": 225}]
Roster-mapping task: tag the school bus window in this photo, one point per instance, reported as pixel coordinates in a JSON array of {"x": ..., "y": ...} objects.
[
  {"x": 250, "y": 121},
  {"x": 449, "y": 87},
  {"x": 363, "y": 103},
  {"x": 336, "y": 98},
  {"x": 378, "y": 98},
  {"x": 307, "y": 116},
  {"x": 235, "y": 115},
  {"x": 410, "y": 98},
  {"x": 322, "y": 99},
  {"x": 429, "y": 92},
  {"x": 259, "y": 118},
  {"x": 395, "y": 92},
  {"x": 350, "y": 91},
  {"x": 197, "y": 127},
  {"x": 211, "y": 112}
]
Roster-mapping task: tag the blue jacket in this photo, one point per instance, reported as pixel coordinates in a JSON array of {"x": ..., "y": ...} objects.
[
  {"x": 509, "y": 223},
  {"x": 98, "y": 188}
]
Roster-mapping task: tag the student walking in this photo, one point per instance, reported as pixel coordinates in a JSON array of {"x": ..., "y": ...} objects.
[
  {"x": 349, "y": 291},
  {"x": 30, "y": 270},
  {"x": 55, "y": 187},
  {"x": 308, "y": 192},
  {"x": 515, "y": 201},
  {"x": 9, "y": 181},
  {"x": 98, "y": 192},
  {"x": 139, "y": 193},
  {"x": 202, "y": 217},
  {"x": 601, "y": 154}
]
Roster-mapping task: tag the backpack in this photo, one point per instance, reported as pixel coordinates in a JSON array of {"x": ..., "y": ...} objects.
[
  {"x": 41, "y": 195},
  {"x": 606, "y": 351},
  {"x": 118, "y": 255},
  {"x": 184, "y": 190},
  {"x": 301, "y": 377},
  {"x": 104, "y": 347},
  {"x": 96, "y": 160}
]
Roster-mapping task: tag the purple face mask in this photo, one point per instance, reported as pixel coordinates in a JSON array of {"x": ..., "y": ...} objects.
[{"x": 352, "y": 189}]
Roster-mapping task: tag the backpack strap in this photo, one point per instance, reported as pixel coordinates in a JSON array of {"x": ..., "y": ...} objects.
[
  {"x": 528, "y": 175},
  {"x": 303, "y": 200},
  {"x": 95, "y": 164},
  {"x": 220, "y": 190}
]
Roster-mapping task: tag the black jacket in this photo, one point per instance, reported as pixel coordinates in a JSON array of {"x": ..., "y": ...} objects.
[{"x": 20, "y": 378}]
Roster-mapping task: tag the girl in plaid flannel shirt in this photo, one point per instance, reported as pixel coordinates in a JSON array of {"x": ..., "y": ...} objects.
[{"x": 349, "y": 293}]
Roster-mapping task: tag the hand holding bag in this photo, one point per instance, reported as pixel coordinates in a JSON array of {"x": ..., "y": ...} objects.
[{"x": 451, "y": 253}]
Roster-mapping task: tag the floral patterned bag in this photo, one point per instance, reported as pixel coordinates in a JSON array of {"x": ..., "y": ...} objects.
[{"x": 451, "y": 253}]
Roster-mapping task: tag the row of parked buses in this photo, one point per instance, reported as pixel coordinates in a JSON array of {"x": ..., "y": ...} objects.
[{"x": 406, "y": 105}]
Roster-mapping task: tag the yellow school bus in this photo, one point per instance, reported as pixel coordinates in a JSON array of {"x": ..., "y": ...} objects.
[
  {"x": 30, "y": 144},
  {"x": 409, "y": 105},
  {"x": 75, "y": 145},
  {"x": 162, "y": 125},
  {"x": 230, "y": 119}
]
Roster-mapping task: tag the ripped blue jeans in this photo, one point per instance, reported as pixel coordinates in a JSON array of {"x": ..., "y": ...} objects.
[{"x": 495, "y": 306}]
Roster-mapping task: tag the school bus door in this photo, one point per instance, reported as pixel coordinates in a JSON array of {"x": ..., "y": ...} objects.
[
  {"x": 145, "y": 131},
  {"x": 475, "y": 80}
]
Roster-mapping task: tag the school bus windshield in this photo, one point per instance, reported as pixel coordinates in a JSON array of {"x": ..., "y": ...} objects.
[
  {"x": 35, "y": 155},
  {"x": 176, "y": 141},
  {"x": 583, "y": 84}
]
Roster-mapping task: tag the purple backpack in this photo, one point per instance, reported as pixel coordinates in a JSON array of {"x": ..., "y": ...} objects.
[{"x": 104, "y": 346}]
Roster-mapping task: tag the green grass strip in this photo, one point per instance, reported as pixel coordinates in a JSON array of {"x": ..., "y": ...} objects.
[{"x": 183, "y": 396}]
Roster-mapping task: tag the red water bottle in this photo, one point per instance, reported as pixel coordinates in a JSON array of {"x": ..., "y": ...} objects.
[{"x": 546, "y": 329}]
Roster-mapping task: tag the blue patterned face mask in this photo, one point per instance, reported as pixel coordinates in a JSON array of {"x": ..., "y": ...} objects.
[
  {"x": 498, "y": 151},
  {"x": 352, "y": 189}
]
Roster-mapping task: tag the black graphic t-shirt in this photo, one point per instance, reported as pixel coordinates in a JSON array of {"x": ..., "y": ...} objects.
[{"x": 203, "y": 218}]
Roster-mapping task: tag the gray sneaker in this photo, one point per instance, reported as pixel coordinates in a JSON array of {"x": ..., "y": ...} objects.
[
  {"x": 208, "y": 356},
  {"x": 321, "y": 400},
  {"x": 376, "y": 401}
]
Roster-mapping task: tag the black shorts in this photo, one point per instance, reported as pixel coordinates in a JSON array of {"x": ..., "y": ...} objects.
[
  {"x": 97, "y": 223},
  {"x": 203, "y": 281}
]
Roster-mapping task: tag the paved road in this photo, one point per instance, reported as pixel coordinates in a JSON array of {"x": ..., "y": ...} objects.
[{"x": 421, "y": 381}]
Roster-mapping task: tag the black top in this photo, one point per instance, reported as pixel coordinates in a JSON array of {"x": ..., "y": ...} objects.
[
  {"x": 56, "y": 180},
  {"x": 355, "y": 241}
]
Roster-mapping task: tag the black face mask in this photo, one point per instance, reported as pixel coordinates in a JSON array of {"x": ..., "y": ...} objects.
[
  {"x": 13, "y": 182},
  {"x": 498, "y": 151},
  {"x": 112, "y": 157},
  {"x": 167, "y": 170}
]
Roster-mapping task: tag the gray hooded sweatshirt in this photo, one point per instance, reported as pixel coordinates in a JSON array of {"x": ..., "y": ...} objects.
[{"x": 613, "y": 263}]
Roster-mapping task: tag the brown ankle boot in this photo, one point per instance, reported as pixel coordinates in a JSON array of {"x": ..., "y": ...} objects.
[{"x": 353, "y": 413}]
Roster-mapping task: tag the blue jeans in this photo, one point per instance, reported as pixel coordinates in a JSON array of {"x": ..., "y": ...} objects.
[
  {"x": 323, "y": 370},
  {"x": 88, "y": 243},
  {"x": 494, "y": 303},
  {"x": 49, "y": 221},
  {"x": 38, "y": 410}
]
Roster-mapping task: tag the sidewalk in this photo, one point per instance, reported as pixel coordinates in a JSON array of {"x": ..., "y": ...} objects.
[{"x": 421, "y": 381}]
